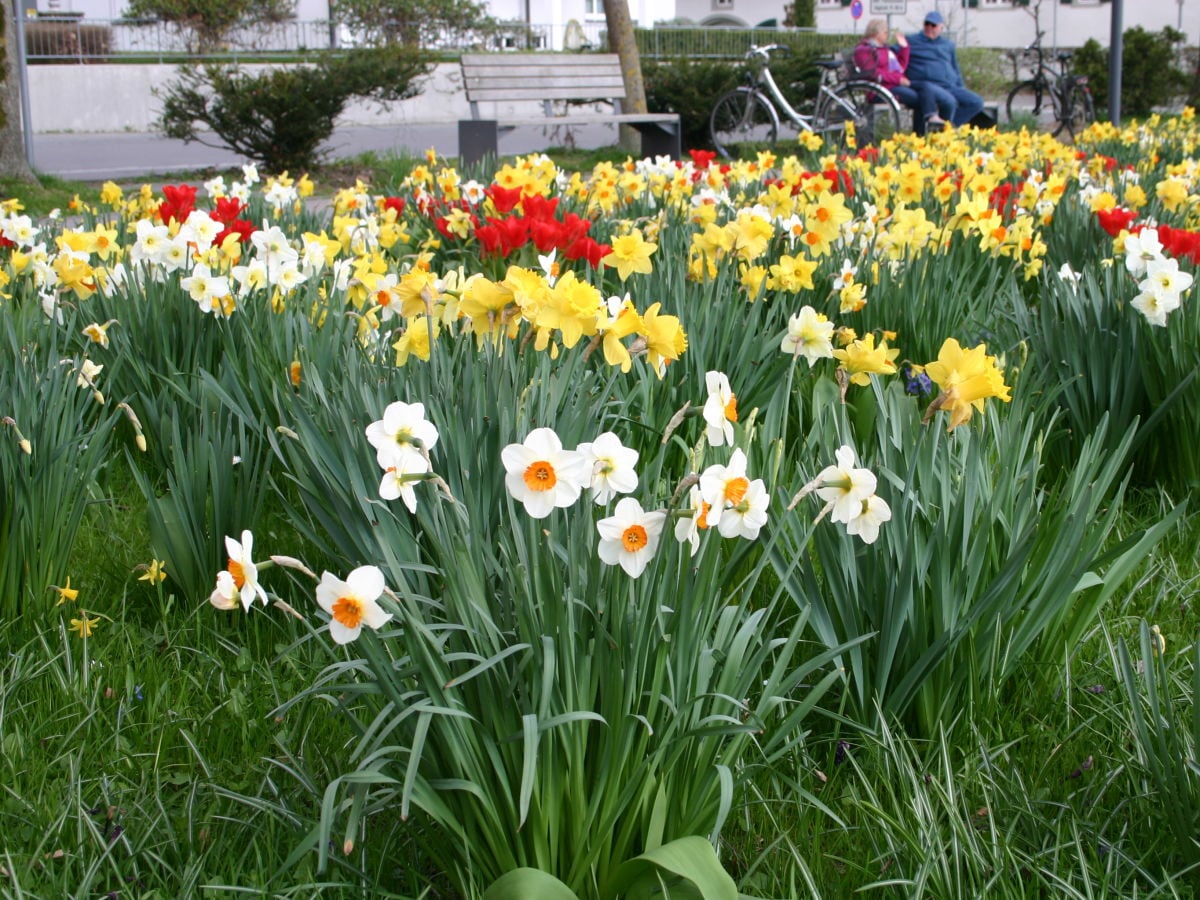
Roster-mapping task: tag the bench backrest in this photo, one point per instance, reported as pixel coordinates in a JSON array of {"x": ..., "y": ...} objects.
[{"x": 541, "y": 76}]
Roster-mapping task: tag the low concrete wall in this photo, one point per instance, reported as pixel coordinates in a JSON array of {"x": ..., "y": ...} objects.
[{"x": 105, "y": 98}]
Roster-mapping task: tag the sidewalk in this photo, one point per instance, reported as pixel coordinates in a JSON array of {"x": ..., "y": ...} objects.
[{"x": 99, "y": 156}]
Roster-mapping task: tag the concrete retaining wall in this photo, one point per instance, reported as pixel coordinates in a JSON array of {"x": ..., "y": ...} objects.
[{"x": 82, "y": 98}]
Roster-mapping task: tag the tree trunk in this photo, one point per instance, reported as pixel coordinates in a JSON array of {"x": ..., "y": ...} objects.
[
  {"x": 622, "y": 43},
  {"x": 13, "y": 163}
]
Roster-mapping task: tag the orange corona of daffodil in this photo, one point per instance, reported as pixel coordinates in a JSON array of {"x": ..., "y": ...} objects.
[{"x": 966, "y": 378}]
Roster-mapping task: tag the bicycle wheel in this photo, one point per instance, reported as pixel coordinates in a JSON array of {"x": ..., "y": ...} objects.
[
  {"x": 743, "y": 121},
  {"x": 1080, "y": 113},
  {"x": 1030, "y": 104},
  {"x": 871, "y": 108}
]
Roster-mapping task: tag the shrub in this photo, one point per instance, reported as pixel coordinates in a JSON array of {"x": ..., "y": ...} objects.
[
  {"x": 985, "y": 70},
  {"x": 1150, "y": 76},
  {"x": 412, "y": 22},
  {"x": 732, "y": 43},
  {"x": 209, "y": 21},
  {"x": 280, "y": 117},
  {"x": 688, "y": 87}
]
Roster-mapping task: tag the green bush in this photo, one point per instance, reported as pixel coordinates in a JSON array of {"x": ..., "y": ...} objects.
[
  {"x": 732, "y": 43},
  {"x": 689, "y": 87},
  {"x": 1150, "y": 76},
  {"x": 280, "y": 117},
  {"x": 986, "y": 71}
]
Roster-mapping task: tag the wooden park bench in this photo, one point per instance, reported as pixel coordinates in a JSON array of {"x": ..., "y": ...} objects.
[{"x": 546, "y": 77}]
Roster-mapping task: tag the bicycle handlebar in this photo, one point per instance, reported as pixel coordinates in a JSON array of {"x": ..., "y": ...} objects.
[{"x": 767, "y": 49}]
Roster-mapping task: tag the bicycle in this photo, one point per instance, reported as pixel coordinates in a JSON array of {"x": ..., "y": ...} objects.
[
  {"x": 1052, "y": 97},
  {"x": 750, "y": 114}
]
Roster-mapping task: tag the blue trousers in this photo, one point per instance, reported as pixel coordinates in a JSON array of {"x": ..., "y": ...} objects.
[
  {"x": 957, "y": 105},
  {"x": 920, "y": 99}
]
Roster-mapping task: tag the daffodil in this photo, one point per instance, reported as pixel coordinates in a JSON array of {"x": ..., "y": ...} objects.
[
  {"x": 693, "y": 519},
  {"x": 663, "y": 338},
  {"x": 630, "y": 253},
  {"x": 66, "y": 593},
  {"x": 873, "y": 512},
  {"x": 239, "y": 579},
  {"x": 738, "y": 504},
  {"x": 967, "y": 377},
  {"x": 543, "y": 476},
  {"x": 155, "y": 572},
  {"x": 98, "y": 333},
  {"x": 611, "y": 465},
  {"x": 844, "y": 486},
  {"x": 809, "y": 334},
  {"x": 720, "y": 409},
  {"x": 84, "y": 626},
  {"x": 400, "y": 477},
  {"x": 629, "y": 537},
  {"x": 352, "y": 603},
  {"x": 862, "y": 358},
  {"x": 403, "y": 431}
]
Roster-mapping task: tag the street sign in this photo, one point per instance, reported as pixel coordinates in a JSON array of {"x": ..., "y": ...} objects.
[
  {"x": 856, "y": 10},
  {"x": 889, "y": 7}
]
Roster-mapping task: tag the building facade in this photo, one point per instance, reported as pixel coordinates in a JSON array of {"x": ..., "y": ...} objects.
[
  {"x": 981, "y": 23},
  {"x": 575, "y": 24}
]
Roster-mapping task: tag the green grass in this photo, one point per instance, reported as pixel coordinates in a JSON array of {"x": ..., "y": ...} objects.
[{"x": 46, "y": 194}]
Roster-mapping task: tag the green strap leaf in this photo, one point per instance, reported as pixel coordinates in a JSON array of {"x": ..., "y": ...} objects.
[
  {"x": 691, "y": 860},
  {"x": 528, "y": 884}
]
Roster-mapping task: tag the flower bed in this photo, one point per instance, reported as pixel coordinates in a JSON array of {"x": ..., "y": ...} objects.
[{"x": 615, "y": 477}]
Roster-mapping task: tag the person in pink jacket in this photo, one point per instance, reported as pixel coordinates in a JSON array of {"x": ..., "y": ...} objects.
[{"x": 879, "y": 62}]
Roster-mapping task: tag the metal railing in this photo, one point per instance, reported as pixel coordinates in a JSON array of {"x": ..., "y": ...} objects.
[
  {"x": 76, "y": 39},
  {"x": 73, "y": 38}
]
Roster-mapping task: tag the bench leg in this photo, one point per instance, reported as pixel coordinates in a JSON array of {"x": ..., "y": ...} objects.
[
  {"x": 477, "y": 140},
  {"x": 661, "y": 139}
]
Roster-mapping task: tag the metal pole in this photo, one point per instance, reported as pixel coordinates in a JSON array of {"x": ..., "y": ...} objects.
[
  {"x": 1114, "y": 63},
  {"x": 23, "y": 81}
]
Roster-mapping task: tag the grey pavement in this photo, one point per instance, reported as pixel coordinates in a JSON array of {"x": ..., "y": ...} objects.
[{"x": 94, "y": 156}]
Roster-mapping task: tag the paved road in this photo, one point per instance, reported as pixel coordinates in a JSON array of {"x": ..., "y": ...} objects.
[{"x": 98, "y": 156}]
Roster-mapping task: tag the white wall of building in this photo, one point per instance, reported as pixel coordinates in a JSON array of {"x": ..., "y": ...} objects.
[
  {"x": 541, "y": 12},
  {"x": 993, "y": 23}
]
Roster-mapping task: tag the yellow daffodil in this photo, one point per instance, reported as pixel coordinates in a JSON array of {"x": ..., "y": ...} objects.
[
  {"x": 630, "y": 253},
  {"x": 155, "y": 572},
  {"x": 66, "y": 593},
  {"x": 966, "y": 378},
  {"x": 664, "y": 338},
  {"x": 862, "y": 358},
  {"x": 84, "y": 626}
]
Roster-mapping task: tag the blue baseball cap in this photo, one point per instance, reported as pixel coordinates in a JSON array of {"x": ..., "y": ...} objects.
[{"x": 933, "y": 17}]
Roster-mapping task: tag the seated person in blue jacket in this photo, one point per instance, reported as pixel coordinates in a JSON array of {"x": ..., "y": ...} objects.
[
  {"x": 887, "y": 65},
  {"x": 932, "y": 60}
]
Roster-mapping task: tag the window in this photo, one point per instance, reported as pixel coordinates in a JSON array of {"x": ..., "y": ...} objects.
[
  {"x": 829, "y": 4},
  {"x": 593, "y": 9},
  {"x": 722, "y": 4}
]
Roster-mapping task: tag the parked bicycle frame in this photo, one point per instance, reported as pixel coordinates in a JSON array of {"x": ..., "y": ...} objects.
[
  {"x": 750, "y": 115},
  {"x": 1057, "y": 101}
]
